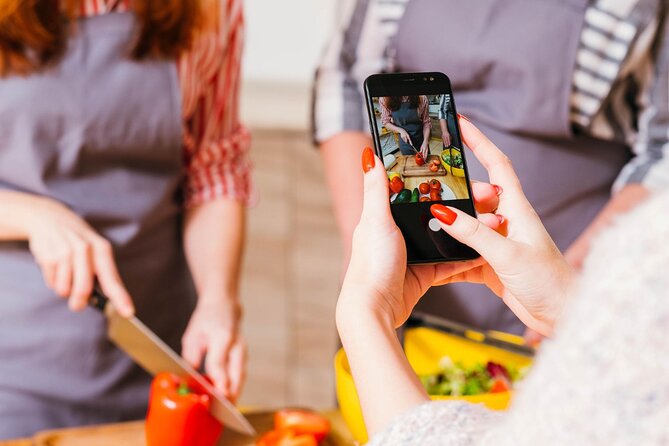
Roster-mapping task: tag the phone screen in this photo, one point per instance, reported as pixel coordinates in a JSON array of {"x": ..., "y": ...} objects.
[
  {"x": 421, "y": 148},
  {"x": 417, "y": 136}
]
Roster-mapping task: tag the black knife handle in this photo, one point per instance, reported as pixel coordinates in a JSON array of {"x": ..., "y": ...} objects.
[{"x": 98, "y": 299}]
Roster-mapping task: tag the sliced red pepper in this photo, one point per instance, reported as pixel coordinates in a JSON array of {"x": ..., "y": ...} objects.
[
  {"x": 286, "y": 438},
  {"x": 179, "y": 414},
  {"x": 302, "y": 422}
]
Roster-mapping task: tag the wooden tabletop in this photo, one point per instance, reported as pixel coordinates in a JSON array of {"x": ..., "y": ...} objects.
[{"x": 132, "y": 433}]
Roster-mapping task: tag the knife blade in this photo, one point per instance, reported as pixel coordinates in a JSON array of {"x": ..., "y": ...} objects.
[{"x": 154, "y": 356}]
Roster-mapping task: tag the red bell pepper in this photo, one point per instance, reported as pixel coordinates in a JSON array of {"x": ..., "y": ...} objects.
[{"x": 179, "y": 414}]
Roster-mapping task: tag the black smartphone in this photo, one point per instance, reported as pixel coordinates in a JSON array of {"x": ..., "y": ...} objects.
[{"x": 416, "y": 133}]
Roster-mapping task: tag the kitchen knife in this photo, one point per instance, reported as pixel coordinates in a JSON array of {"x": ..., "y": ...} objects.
[
  {"x": 154, "y": 356},
  {"x": 490, "y": 338}
]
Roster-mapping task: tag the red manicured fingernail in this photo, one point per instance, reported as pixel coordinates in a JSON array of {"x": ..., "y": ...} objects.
[
  {"x": 367, "y": 159},
  {"x": 501, "y": 219},
  {"x": 443, "y": 214},
  {"x": 463, "y": 117},
  {"x": 498, "y": 189}
]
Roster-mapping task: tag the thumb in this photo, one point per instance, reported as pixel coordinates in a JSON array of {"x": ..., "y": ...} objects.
[
  {"x": 375, "y": 204},
  {"x": 468, "y": 230}
]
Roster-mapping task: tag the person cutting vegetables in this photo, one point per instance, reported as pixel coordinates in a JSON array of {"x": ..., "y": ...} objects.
[
  {"x": 122, "y": 162},
  {"x": 409, "y": 117}
]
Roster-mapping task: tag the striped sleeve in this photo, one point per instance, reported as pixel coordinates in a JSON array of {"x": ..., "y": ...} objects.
[
  {"x": 215, "y": 142},
  {"x": 357, "y": 49},
  {"x": 650, "y": 165}
]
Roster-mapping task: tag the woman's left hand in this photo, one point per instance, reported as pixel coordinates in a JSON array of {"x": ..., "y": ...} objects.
[
  {"x": 378, "y": 279},
  {"x": 213, "y": 331},
  {"x": 425, "y": 150}
]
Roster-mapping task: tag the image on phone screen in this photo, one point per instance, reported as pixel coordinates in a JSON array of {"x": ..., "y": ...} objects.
[
  {"x": 414, "y": 125},
  {"x": 421, "y": 148}
]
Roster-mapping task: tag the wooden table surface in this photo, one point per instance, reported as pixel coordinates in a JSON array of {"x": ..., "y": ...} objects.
[
  {"x": 457, "y": 184},
  {"x": 132, "y": 433}
]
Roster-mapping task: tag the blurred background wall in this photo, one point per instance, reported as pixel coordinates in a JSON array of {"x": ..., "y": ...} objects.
[
  {"x": 292, "y": 265},
  {"x": 283, "y": 43}
]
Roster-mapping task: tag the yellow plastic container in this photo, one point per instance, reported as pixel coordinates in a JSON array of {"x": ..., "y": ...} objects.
[
  {"x": 455, "y": 171},
  {"x": 424, "y": 348}
]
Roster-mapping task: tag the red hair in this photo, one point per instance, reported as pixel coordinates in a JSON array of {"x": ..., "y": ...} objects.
[{"x": 33, "y": 33}]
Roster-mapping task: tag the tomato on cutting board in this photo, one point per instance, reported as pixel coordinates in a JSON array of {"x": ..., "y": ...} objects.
[
  {"x": 295, "y": 427},
  {"x": 286, "y": 438}
]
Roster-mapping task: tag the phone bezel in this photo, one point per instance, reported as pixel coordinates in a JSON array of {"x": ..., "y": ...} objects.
[{"x": 407, "y": 84}]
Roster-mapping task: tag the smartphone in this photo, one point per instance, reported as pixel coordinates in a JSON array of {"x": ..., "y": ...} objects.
[{"x": 416, "y": 133}]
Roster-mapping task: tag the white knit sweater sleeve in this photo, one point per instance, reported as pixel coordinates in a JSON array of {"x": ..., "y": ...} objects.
[{"x": 604, "y": 378}]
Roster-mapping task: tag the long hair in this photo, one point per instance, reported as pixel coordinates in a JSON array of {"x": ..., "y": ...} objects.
[
  {"x": 394, "y": 102},
  {"x": 33, "y": 33}
]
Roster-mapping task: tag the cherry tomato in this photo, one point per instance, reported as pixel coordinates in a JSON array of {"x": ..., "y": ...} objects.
[
  {"x": 419, "y": 159},
  {"x": 424, "y": 188},
  {"x": 435, "y": 184},
  {"x": 302, "y": 422},
  {"x": 424, "y": 199},
  {"x": 435, "y": 195},
  {"x": 434, "y": 168},
  {"x": 396, "y": 185}
]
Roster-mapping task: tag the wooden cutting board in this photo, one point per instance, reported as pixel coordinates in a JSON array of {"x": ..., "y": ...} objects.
[
  {"x": 411, "y": 169},
  {"x": 132, "y": 433}
]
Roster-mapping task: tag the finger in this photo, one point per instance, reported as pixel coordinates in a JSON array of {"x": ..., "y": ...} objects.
[
  {"x": 109, "y": 277},
  {"x": 236, "y": 368},
  {"x": 493, "y": 221},
  {"x": 82, "y": 281},
  {"x": 495, "y": 162},
  {"x": 63, "y": 281},
  {"x": 443, "y": 271},
  {"x": 217, "y": 361},
  {"x": 375, "y": 185},
  {"x": 486, "y": 197},
  {"x": 495, "y": 248},
  {"x": 192, "y": 349},
  {"x": 49, "y": 273}
]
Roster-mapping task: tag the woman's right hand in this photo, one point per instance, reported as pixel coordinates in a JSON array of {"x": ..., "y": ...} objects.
[
  {"x": 524, "y": 268},
  {"x": 72, "y": 256},
  {"x": 405, "y": 136}
]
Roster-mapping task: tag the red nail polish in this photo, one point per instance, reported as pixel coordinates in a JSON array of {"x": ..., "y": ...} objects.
[
  {"x": 463, "y": 117},
  {"x": 443, "y": 214},
  {"x": 367, "y": 159},
  {"x": 498, "y": 189}
]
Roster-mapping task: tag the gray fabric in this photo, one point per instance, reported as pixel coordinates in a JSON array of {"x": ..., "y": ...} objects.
[
  {"x": 407, "y": 118},
  {"x": 514, "y": 82},
  {"x": 102, "y": 134}
]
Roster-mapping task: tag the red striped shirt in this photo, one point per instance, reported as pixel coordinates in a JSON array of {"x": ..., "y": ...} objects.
[{"x": 215, "y": 142}]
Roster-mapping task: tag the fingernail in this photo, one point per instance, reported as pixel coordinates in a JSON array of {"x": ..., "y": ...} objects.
[
  {"x": 443, "y": 214},
  {"x": 367, "y": 159},
  {"x": 498, "y": 189},
  {"x": 463, "y": 117},
  {"x": 501, "y": 219}
]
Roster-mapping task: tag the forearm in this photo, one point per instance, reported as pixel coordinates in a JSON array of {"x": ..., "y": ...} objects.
[
  {"x": 16, "y": 211},
  {"x": 341, "y": 160},
  {"x": 213, "y": 242},
  {"x": 444, "y": 127},
  {"x": 392, "y": 127},
  {"x": 427, "y": 130},
  {"x": 386, "y": 384}
]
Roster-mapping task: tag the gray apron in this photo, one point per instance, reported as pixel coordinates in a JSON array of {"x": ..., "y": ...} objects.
[
  {"x": 102, "y": 134},
  {"x": 407, "y": 118},
  {"x": 511, "y": 65}
]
